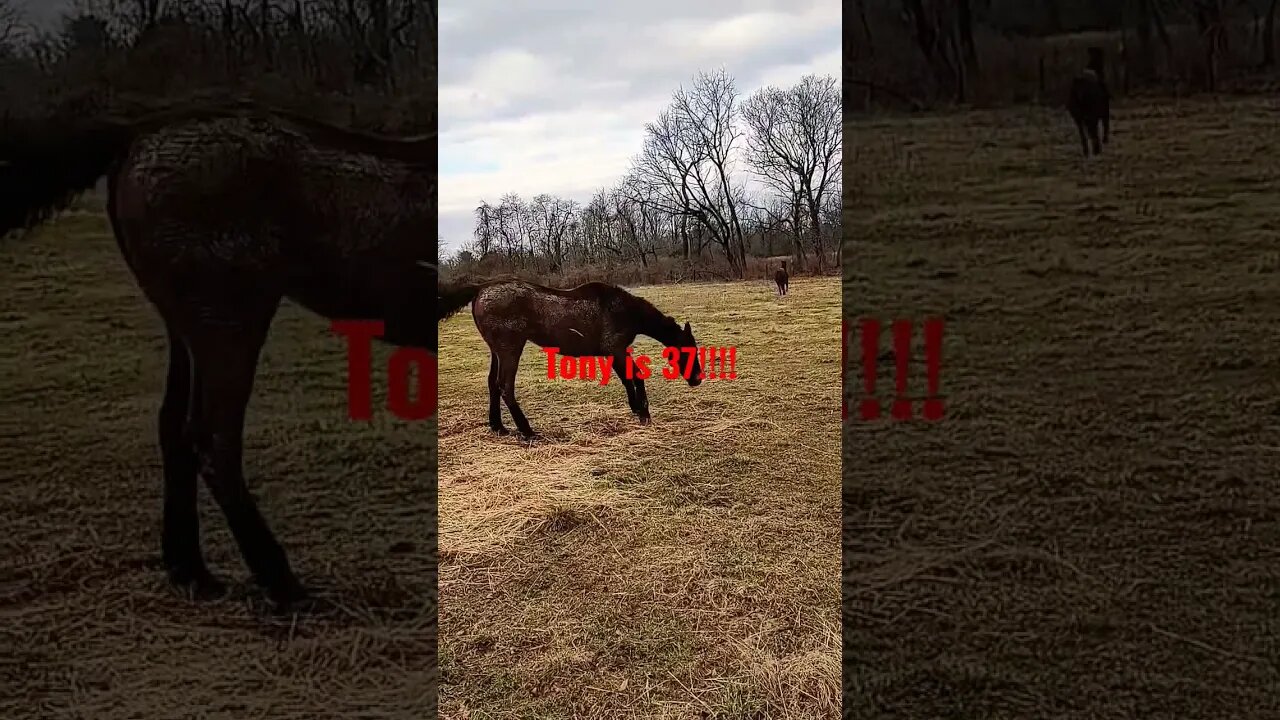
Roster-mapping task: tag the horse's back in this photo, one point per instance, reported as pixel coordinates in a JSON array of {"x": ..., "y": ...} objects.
[
  {"x": 231, "y": 175},
  {"x": 252, "y": 201},
  {"x": 509, "y": 313},
  {"x": 508, "y": 292}
]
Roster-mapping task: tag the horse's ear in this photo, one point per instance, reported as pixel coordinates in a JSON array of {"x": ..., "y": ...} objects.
[{"x": 687, "y": 328}]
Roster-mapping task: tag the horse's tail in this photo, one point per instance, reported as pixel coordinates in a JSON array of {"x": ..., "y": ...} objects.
[
  {"x": 46, "y": 163},
  {"x": 453, "y": 299}
]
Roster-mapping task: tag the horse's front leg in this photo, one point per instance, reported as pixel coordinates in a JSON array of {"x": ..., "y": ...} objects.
[
  {"x": 1093, "y": 136},
  {"x": 636, "y": 399},
  {"x": 642, "y": 402}
]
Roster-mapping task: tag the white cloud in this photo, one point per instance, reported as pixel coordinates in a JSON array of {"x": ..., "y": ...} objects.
[
  {"x": 783, "y": 75},
  {"x": 554, "y": 99}
]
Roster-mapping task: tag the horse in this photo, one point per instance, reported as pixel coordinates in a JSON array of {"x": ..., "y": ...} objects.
[
  {"x": 1089, "y": 103},
  {"x": 780, "y": 277},
  {"x": 591, "y": 320},
  {"x": 220, "y": 212}
]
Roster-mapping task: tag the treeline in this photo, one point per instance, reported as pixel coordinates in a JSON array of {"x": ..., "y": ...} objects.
[
  {"x": 684, "y": 209},
  {"x": 927, "y": 53},
  {"x": 367, "y": 63}
]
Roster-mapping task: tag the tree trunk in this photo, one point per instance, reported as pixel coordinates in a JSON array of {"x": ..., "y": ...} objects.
[
  {"x": 797, "y": 235},
  {"x": 684, "y": 237},
  {"x": 964, "y": 16},
  {"x": 1269, "y": 36}
]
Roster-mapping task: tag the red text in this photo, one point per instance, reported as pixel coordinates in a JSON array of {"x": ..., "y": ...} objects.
[{"x": 405, "y": 404}]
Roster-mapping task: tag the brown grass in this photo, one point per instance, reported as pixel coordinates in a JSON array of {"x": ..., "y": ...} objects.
[
  {"x": 681, "y": 570},
  {"x": 1092, "y": 531},
  {"x": 88, "y": 626}
]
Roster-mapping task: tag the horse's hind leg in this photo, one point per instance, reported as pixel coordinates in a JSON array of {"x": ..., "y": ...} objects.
[
  {"x": 1093, "y": 136},
  {"x": 1084, "y": 137},
  {"x": 180, "y": 537},
  {"x": 508, "y": 364},
  {"x": 226, "y": 358},
  {"x": 495, "y": 397}
]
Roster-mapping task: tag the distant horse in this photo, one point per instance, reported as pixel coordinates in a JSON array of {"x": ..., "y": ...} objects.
[
  {"x": 1089, "y": 104},
  {"x": 220, "y": 213},
  {"x": 780, "y": 277},
  {"x": 594, "y": 319}
]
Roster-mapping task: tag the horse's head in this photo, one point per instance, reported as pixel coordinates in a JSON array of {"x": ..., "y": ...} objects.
[{"x": 687, "y": 341}]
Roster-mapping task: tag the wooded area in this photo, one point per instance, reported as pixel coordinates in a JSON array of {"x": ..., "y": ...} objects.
[
  {"x": 684, "y": 209},
  {"x": 366, "y": 63},
  {"x": 926, "y": 53}
]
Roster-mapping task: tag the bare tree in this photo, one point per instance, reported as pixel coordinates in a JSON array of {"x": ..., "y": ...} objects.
[
  {"x": 12, "y": 25},
  {"x": 1210, "y": 17},
  {"x": 665, "y": 171},
  {"x": 375, "y": 30},
  {"x": 682, "y": 194},
  {"x": 687, "y": 162},
  {"x": 1269, "y": 36},
  {"x": 485, "y": 231},
  {"x": 794, "y": 147},
  {"x": 550, "y": 219},
  {"x": 708, "y": 112}
]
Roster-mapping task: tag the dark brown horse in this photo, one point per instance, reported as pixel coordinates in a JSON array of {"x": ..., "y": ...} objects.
[
  {"x": 220, "y": 213},
  {"x": 591, "y": 320},
  {"x": 1089, "y": 104},
  {"x": 780, "y": 277}
]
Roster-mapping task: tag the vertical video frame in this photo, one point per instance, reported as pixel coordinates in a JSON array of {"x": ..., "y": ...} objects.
[
  {"x": 1061, "y": 290},
  {"x": 639, "y": 454},
  {"x": 219, "y": 461}
]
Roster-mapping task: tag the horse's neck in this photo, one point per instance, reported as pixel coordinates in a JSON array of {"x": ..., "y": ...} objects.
[{"x": 651, "y": 322}]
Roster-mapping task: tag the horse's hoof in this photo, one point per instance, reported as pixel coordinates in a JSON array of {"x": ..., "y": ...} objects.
[
  {"x": 500, "y": 430},
  {"x": 646, "y": 420},
  {"x": 208, "y": 588},
  {"x": 200, "y": 584},
  {"x": 287, "y": 596}
]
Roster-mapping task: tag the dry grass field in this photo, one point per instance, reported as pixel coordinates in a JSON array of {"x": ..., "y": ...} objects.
[
  {"x": 88, "y": 626},
  {"x": 1093, "y": 531},
  {"x": 687, "y": 569}
]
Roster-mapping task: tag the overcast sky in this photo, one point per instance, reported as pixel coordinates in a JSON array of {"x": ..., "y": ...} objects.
[{"x": 553, "y": 96}]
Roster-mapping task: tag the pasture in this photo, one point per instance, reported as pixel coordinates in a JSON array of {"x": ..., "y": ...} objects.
[
  {"x": 687, "y": 569},
  {"x": 89, "y": 626},
  {"x": 1094, "y": 528}
]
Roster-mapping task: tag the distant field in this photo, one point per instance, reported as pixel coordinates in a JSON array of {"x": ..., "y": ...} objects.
[
  {"x": 1094, "y": 529},
  {"x": 88, "y": 626},
  {"x": 687, "y": 569}
]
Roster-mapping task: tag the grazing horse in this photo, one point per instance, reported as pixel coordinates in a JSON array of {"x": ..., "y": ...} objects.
[
  {"x": 594, "y": 319},
  {"x": 1089, "y": 104},
  {"x": 220, "y": 212},
  {"x": 780, "y": 277}
]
